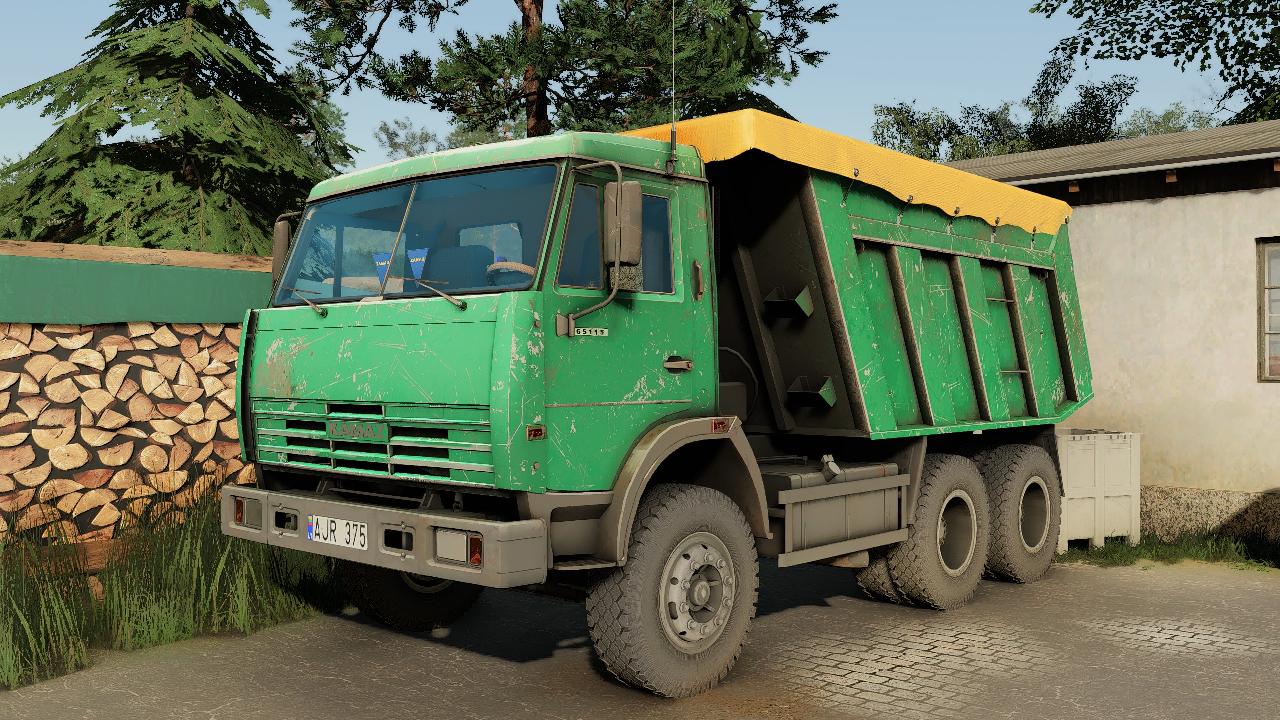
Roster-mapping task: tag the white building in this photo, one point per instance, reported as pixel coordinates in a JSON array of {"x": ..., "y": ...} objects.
[{"x": 1176, "y": 240}]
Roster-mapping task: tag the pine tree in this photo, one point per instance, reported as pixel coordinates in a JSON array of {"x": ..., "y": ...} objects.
[{"x": 176, "y": 130}]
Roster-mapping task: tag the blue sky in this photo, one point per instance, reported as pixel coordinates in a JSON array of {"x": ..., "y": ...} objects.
[{"x": 939, "y": 52}]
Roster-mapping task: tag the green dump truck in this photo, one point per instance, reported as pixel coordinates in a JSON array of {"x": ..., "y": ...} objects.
[{"x": 641, "y": 365}]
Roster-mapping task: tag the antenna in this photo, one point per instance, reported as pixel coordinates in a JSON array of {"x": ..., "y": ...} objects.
[{"x": 671, "y": 159}]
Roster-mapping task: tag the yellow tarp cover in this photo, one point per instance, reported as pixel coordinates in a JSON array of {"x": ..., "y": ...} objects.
[{"x": 910, "y": 179}]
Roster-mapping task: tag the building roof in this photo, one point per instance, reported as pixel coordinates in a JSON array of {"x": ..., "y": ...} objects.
[
  {"x": 1229, "y": 143},
  {"x": 910, "y": 179}
]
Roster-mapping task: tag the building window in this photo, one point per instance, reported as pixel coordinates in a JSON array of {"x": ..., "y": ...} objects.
[{"x": 1269, "y": 309}]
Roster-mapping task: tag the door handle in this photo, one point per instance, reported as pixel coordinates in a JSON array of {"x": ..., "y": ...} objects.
[{"x": 677, "y": 364}]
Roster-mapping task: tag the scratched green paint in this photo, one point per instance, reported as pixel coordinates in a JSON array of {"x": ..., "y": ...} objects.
[
  {"x": 1070, "y": 317},
  {"x": 498, "y": 369},
  {"x": 945, "y": 340},
  {"x": 518, "y": 391},
  {"x": 921, "y": 241},
  {"x": 603, "y": 393},
  {"x": 401, "y": 351},
  {"x": 890, "y": 361},
  {"x": 862, "y": 283},
  {"x": 987, "y": 350},
  {"x": 1001, "y": 334},
  {"x": 1042, "y": 342}
]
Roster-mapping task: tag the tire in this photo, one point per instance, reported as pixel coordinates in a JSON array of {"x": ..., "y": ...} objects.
[
  {"x": 407, "y": 602},
  {"x": 941, "y": 562},
  {"x": 1026, "y": 511},
  {"x": 639, "y": 614},
  {"x": 876, "y": 584}
]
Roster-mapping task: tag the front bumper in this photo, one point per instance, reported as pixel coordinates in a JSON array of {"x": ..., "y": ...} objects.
[{"x": 515, "y": 552}]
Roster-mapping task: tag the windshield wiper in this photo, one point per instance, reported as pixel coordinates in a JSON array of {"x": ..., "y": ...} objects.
[
  {"x": 460, "y": 304},
  {"x": 431, "y": 285},
  {"x": 322, "y": 312}
]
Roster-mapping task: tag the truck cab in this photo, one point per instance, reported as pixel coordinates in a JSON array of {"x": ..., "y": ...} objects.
[{"x": 410, "y": 351}]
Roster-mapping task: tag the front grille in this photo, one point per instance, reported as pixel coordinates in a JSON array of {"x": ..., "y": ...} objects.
[{"x": 406, "y": 442}]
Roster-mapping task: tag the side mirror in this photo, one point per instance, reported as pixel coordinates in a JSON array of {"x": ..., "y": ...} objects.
[
  {"x": 622, "y": 203},
  {"x": 280, "y": 238}
]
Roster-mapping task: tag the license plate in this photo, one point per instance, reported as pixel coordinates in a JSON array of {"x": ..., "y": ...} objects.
[{"x": 336, "y": 531}]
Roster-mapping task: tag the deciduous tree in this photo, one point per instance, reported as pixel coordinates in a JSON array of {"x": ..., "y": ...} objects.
[
  {"x": 1238, "y": 39},
  {"x": 1175, "y": 118},
  {"x": 1038, "y": 122}
]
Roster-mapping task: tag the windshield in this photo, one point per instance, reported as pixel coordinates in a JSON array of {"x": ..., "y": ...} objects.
[{"x": 480, "y": 232}]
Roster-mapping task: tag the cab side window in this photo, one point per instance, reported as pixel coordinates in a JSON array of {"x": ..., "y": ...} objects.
[
  {"x": 655, "y": 248},
  {"x": 581, "y": 265}
]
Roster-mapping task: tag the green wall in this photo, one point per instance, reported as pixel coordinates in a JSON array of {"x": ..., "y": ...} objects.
[{"x": 84, "y": 292}]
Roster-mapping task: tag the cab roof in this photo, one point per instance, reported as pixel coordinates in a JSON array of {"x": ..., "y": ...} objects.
[
  {"x": 910, "y": 179},
  {"x": 632, "y": 151}
]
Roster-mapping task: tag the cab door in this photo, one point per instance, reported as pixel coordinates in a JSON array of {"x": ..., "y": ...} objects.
[{"x": 647, "y": 356}]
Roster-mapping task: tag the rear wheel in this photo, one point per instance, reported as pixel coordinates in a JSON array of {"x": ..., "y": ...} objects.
[
  {"x": 675, "y": 617},
  {"x": 1026, "y": 510},
  {"x": 940, "y": 563},
  {"x": 408, "y": 602},
  {"x": 875, "y": 582}
]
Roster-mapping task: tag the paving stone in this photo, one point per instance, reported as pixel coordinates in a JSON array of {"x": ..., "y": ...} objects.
[{"x": 1082, "y": 643}]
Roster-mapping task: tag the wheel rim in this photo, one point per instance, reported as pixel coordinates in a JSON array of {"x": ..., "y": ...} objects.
[
  {"x": 1033, "y": 514},
  {"x": 423, "y": 584},
  {"x": 696, "y": 595},
  {"x": 957, "y": 532}
]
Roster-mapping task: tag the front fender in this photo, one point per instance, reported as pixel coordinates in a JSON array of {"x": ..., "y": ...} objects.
[{"x": 732, "y": 470}]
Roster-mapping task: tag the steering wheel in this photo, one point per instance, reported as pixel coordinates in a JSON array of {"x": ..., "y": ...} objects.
[{"x": 511, "y": 266}]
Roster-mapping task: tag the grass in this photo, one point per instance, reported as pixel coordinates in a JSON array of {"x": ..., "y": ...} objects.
[
  {"x": 1202, "y": 547},
  {"x": 176, "y": 581},
  {"x": 44, "y": 617}
]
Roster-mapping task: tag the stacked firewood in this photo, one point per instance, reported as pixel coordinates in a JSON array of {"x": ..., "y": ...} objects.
[{"x": 102, "y": 425}]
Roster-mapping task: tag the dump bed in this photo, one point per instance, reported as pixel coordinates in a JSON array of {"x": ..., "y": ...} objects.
[{"x": 879, "y": 295}]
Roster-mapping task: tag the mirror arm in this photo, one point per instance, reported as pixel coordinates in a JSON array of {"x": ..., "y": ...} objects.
[{"x": 567, "y": 324}]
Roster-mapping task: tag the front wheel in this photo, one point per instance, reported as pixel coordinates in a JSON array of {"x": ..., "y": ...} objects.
[
  {"x": 675, "y": 617},
  {"x": 408, "y": 602}
]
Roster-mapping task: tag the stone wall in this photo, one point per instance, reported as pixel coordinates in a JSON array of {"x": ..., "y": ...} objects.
[
  {"x": 1168, "y": 512},
  {"x": 103, "y": 424}
]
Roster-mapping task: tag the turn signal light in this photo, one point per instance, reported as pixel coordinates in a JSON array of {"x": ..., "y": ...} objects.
[
  {"x": 246, "y": 513},
  {"x": 475, "y": 550}
]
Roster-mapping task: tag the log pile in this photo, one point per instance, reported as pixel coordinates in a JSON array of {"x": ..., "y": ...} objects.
[{"x": 102, "y": 425}]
